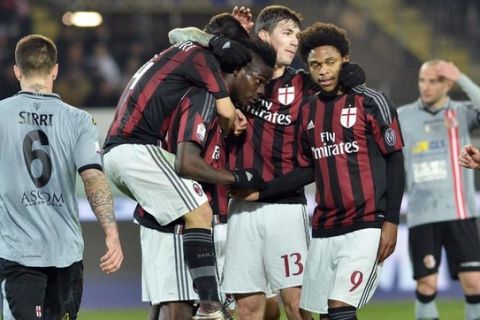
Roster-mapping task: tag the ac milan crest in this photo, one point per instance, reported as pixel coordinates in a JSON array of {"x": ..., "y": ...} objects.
[
  {"x": 198, "y": 189},
  {"x": 348, "y": 117},
  {"x": 286, "y": 95}
]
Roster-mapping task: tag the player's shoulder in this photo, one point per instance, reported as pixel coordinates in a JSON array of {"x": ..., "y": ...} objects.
[
  {"x": 5, "y": 103},
  {"x": 372, "y": 97},
  {"x": 408, "y": 108},
  {"x": 199, "y": 94}
]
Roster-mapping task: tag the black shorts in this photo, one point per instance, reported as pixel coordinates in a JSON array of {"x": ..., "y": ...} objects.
[
  {"x": 34, "y": 293},
  {"x": 461, "y": 241}
]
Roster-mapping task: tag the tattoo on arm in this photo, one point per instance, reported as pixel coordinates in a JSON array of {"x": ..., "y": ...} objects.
[{"x": 99, "y": 196}]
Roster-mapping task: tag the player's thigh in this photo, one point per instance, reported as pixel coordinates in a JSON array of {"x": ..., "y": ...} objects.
[
  {"x": 220, "y": 242},
  {"x": 286, "y": 244},
  {"x": 318, "y": 275},
  {"x": 357, "y": 272},
  {"x": 462, "y": 246},
  {"x": 244, "y": 270},
  {"x": 64, "y": 291},
  {"x": 23, "y": 289},
  {"x": 165, "y": 275},
  {"x": 148, "y": 173},
  {"x": 425, "y": 248}
]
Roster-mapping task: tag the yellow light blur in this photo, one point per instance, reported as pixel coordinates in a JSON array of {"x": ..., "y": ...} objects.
[{"x": 82, "y": 19}]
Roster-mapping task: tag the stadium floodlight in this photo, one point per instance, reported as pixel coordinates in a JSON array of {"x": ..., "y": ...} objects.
[{"x": 82, "y": 19}]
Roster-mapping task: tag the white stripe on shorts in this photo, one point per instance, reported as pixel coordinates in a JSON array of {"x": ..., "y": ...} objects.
[
  {"x": 368, "y": 287},
  {"x": 177, "y": 182}
]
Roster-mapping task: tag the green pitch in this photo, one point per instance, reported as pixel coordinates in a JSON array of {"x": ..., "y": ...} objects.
[{"x": 401, "y": 310}]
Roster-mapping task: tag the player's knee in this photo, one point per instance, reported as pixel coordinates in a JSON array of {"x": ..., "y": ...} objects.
[
  {"x": 471, "y": 288},
  {"x": 427, "y": 286}
]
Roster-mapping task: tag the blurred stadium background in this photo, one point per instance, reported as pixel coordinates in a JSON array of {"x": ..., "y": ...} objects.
[{"x": 390, "y": 39}]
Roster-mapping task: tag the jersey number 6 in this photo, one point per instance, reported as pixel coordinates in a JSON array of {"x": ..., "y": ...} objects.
[{"x": 29, "y": 155}]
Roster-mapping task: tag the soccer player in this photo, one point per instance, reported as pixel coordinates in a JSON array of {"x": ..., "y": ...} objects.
[
  {"x": 352, "y": 139},
  {"x": 159, "y": 177},
  {"x": 277, "y": 224},
  {"x": 441, "y": 211},
  {"x": 47, "y": 142}
]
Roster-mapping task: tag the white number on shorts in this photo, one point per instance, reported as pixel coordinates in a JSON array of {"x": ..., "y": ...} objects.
[
  {"x": 297, "y": 261},
  {"x": 356, "y": 279}
]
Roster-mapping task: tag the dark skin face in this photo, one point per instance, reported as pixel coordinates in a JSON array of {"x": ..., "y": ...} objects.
[
  {"x": 324, "y": 64},
  {"x": 248, "y": 84}
]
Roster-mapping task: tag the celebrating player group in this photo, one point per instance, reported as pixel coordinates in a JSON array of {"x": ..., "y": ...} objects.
[{"x": 215, "y": 138}]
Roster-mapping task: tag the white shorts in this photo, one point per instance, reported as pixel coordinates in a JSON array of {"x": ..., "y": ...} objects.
[
  {"x": 342, "y": 268},
  {"x": 146, "y": 174},
  {"x": 165, "y": 274},
  {"x": 266, "y": 244}
]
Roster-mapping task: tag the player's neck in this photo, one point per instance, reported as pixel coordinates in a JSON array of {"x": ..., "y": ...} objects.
[
  {"x": 37, "y": 85},
  {"x": 278, "y": 71},
  {"x": 439, "y": 104}
]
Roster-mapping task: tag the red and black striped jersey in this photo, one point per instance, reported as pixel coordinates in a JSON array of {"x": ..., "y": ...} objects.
[
  {"x": 270, "y": 141},
  {"x": 346, "y": 140},
  {"x": 143, "y": 111},
  {"x": 195, "y": 120}
]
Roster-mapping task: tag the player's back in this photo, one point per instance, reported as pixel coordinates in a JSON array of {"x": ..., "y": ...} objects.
[
  {"x": 152, "y": 94},
  {"x": 42, "y": 143}
]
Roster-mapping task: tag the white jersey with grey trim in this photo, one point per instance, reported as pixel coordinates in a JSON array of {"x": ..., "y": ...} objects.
[
  {"x": 438, "y": 188},
  {"x": 43, "y": 142}
]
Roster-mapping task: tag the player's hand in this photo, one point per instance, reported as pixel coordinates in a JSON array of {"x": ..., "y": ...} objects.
[
  {"x": 245, "y": 194},
  {"x": 469, "y": 157},
  {"x": 248, "y": 179},
  {"x": 448, "y": 71},
  {"x": 112, "y": 260},
  {"x": 231, "y": 54},
  {"x": 244, "y": 16},
  {"x": 388, "y": 241},
  {"x": 351, "y": 75},
  {"x": 240, "y": 122}
]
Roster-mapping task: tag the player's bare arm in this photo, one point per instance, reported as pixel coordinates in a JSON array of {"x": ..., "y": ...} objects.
[
  {"x": 190, "y": 164},
  {"x": 99, "y": 195},
  {"x": 179, "y": 35},
  {"x": 469, "y": 157},
  {"x": 388, "y": 241}
]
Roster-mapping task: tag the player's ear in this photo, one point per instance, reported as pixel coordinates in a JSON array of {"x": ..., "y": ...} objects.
[
  {"x": 263, "y": 35},
  {"x": 17, "y": 72}
]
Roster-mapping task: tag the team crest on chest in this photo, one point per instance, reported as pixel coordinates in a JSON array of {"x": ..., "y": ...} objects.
[
  {"x": 286, "y": 95},
  {"x": 348, "y": 117}
]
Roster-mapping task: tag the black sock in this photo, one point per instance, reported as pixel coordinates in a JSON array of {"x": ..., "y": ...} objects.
[
  {"x": 343, "y": 313},
  {"x": 200, "y": 257}
]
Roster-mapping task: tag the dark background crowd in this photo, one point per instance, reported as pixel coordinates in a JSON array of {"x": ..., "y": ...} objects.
[{"x": 96, "y": 63}]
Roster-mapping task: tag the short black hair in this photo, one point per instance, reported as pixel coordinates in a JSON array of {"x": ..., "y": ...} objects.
[
  {"x": 226, "y": 25},
  {"x": 264, "y": 50},
  {"x": 323, "y": 34},
  {"x": 270, "y": 16}
]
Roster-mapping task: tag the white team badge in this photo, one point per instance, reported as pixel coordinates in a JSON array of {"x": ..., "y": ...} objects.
[
  {"x": 348, "y": 117},
  {"x": 201, "y": 130},
  {"x": 286, "y": 95}
]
